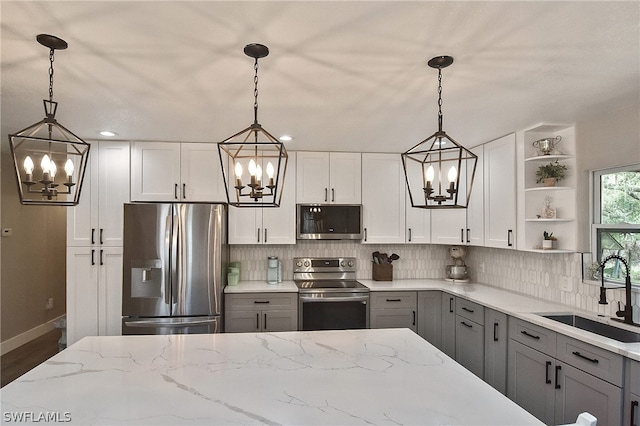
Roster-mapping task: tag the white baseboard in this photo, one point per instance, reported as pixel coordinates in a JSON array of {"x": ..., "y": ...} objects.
[{"x": 19, "y": 340}]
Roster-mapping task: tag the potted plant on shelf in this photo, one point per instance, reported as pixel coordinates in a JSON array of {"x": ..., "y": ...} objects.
[
  {"x": 548, "y": 240},
  {"x": 551, "y": 173}
]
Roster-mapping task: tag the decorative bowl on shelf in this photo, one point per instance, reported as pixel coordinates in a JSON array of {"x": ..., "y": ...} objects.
[{"x": 547, "y": 145}]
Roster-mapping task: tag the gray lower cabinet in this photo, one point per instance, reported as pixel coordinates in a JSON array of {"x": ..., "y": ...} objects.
[
  {"x": 253, "y": 312},
  {"x": 448, "y": 325},
  {"x": 393, "y": 309},
  {"x": 632, "y": 399},
  {"x": 430, "y": 316},
  {"x": 470, "y": 336},
  {"x": 556, "y": 378},
  {"x": 495, "y": 349}
]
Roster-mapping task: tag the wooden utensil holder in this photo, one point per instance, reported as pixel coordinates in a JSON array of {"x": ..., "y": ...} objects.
[{"x": 382, "y": 272}]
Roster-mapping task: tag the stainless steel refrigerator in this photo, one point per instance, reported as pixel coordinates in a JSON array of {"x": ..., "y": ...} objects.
[{"x": 174, "y": 268}]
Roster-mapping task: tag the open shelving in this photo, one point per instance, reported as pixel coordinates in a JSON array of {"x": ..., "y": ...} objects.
[{"x": 532, "y": 195}]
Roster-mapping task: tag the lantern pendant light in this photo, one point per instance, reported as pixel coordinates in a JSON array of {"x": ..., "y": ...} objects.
[
  {"x": 252, "y": 150},
  {"x": 439, "y": 157},
  {"x": 41, "y": 148}
]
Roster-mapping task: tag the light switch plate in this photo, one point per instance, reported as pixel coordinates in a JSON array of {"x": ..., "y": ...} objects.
[{"x": 7, "y": 232}]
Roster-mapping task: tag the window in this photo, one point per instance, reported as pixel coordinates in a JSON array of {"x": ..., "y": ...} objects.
[{"x": 616, "y": 220}]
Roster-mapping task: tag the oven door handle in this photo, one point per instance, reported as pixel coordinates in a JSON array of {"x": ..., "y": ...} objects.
[{"x": 304, "y": 298}]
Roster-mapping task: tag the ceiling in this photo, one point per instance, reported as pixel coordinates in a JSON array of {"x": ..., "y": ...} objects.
[{"x": 340, "y": 76}]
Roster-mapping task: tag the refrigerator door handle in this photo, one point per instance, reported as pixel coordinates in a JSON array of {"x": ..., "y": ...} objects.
[
  {"x": 176, "y": 323},
  {"x": 166, "y": 265},
  {"x": 177, "y": 263}
]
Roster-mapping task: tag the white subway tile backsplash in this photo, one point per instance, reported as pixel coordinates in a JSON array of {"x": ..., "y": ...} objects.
[{"x": 535, "y": 274}]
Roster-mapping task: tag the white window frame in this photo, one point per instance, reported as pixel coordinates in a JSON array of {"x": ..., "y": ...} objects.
[{"x": 596, "y": 210}]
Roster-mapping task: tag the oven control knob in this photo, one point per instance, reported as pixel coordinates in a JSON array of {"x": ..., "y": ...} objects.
[
  {"x": 342, "y": 263},
  {"x": 299, "y": 263},
  {"x": 307, "y": 263},
  {"x": 350, "y": 263}
]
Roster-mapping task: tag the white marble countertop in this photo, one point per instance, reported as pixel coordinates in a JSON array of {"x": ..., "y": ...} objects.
[
  {"x": 261, "y": 287},
  {"x": 382, "y": 377},
  {"x": 511, "y": 303}
]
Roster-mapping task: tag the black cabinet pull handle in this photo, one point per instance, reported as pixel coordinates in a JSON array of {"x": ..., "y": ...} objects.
[
  {"x": 265, "y": 235},
  {"x": 101, "y": 232},
  {"x": 365, "y": 234},
  {"x": 101, "y": 262},
  {"x": 464, "y": 308},
  {"x": 462, "y": 235},
  {"x": 414, "y": 317},
  {"x": 451, "y": 304},
  {"x": 257, "y": 321},
  {"x": 265, "y": 320},
  {"x": 547, "y": 380},
  {"x": 509, "y": 234},
  {"x": 333, "y": 195},
  {"x": 325, "y": 195},
  {"x": 468, "y": 232},
  {"x": 258, "y": 234},
  {"x": 175, "y": 191},
  {"x": 93, "y": 252},
  {"x": 558, "y": 368},
  {"x": 495, "y": 331},
  {"x": 586, "y": 358},
  {"x": 634, "y": 405},
  {"x": 184, "y": 190},
  {"x": 261, "y": 301},
  {"x": 465, "y": 324},
  {"x": 93, "y": 235},
  {"x": 409, "y": 234},
  {"x": 394, "y": 300},
  {"x": 533, "y": 336}
]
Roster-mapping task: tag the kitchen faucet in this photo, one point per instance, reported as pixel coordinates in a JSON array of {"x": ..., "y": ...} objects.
[{"x": 627, "y": 312}]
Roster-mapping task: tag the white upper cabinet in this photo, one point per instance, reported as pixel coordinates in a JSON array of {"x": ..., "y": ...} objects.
[
  {"x": 500, "y": 192},
  {"x": 383, "y": 198},
  {"x": 267, "y": 225},
  {"x": 98, "y": 219},
  {"x": 171, "y": 171},
  {"x": 328, "y": 177},
  {"x": 448, "y": 226},
  {"x": 474, "y": 234}
]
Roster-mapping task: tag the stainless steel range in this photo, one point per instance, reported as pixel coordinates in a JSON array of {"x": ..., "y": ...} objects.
[{"x": 329, "y": 297}]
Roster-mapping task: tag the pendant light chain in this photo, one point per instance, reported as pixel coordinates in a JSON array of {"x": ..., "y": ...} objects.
[
  {"x": 255, "y": 93},
  {"x": 439, "y": 99},
  {"x": 51, "y": 51}
]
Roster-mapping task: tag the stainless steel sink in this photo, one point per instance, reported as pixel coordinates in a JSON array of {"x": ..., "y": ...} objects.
[{"x": 606, "y": 330}]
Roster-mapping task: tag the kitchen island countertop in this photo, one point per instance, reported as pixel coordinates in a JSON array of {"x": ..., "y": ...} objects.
[{"x": 383, "y": 377}]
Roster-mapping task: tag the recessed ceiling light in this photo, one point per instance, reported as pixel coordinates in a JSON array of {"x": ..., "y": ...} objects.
[
  {"x": 285, "y": 138},
  {"x": 108, "y": 133}
]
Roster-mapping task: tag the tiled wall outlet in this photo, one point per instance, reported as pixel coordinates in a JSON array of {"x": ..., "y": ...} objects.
[{"x": 49, "y": 305}]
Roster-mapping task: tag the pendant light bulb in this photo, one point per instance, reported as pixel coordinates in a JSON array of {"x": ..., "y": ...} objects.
[
  {"x": 52, "y": 169},
  {"x": 270, "y": 170},
  {"x": 258, "y": 172},
  {"x": 430, "y": 174},
  {"x": 44, "y": 163},
  {"x": 453, "y": 174},
  {"x": 252, "y": 167},
  {"x": 28, "y": 165},
  {"x": 68, "y": 167},
  {"x": 238, "y": 170}
]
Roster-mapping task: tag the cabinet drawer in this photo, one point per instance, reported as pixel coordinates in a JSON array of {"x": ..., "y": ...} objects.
[
  {"x": 393, "y": 299},
  {"x": 591, "y": 359},
  {"x": 533, "y": 336},
  {"x": 262, "y": 301},
  {"x": 470, "y": 310}
]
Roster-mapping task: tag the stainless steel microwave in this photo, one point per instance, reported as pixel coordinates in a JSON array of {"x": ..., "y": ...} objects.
[{"x": 329, "y": 222}]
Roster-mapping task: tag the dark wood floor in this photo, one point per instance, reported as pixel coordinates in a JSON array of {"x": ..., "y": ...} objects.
[{"x": 22, "y": 359}]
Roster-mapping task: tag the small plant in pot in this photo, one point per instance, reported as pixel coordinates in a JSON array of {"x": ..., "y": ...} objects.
[
  {"x": 551, "y": 173},
  {"x": 548, "y": 240}
]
